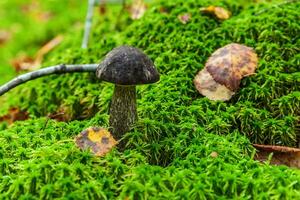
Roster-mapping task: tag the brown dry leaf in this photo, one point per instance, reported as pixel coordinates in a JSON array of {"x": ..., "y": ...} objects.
[
  {"x": 214, "y": 154},
  {"x": 4, "y": 36},
  {"x": 102, "y": 7},
  {"x": 26, "y": 63},
  {"x": 98, "y": 140},
  {"x": 137, "y": 9},
  {"x": 47, "y": 48},
  {"x": 218, "y": 12},
  {"x": 281, "y": 155},
  {"x": 34, "y": 10},
  {"x": 23, "y": 62},
  {"x": 14, "y": 114},
  {"x": 208, "y": 87},
  {"x": 163, "y": 10},
  {"x": 184, "y": 18},
  {"x": 229, "y": 64}
]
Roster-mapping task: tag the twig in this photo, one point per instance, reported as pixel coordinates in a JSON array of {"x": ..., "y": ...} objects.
[
  {"x": 277, "y": 5},
  {"x": 88, "y": 24},
  {"x": 57, "y": 69}
]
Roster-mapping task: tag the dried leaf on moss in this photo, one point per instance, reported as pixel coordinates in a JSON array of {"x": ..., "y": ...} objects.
[
  {"x": 229, "y": 64},
  {"x": 14, "y": 114},
  {"x": 218, "y": 12},
  {"x": 214, "y": 154},
  {"x": 27, "y": 63},
  {"x": 223, "y": 71},
  {"x": 281, "y": 155},
  {"x": 35, "y": 10},
  {"x": 208, "y": 87},
  {"x": 184, "y": 18},
  {"x": 4, "y": 36},
  {"x": 98, "y": 140},
  {"x": 137, "y": 9},
  {"x": 102, "y": 7}
]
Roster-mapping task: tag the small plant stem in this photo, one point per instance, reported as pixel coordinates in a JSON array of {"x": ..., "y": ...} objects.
[
  {"x": 88, "y": 24},
  {"x": 57, "y": 69}
]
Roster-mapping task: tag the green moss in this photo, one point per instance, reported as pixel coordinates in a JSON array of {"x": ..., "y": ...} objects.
[{"x": 168, "y": 154}]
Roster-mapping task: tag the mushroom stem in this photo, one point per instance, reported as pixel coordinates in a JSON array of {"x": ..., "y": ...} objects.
[{"x": 123, "y": 113}]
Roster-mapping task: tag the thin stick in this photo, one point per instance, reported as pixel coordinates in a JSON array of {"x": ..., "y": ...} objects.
[
  {"x": 88, "y": 24},
  {"x": 57, "y": 69}
]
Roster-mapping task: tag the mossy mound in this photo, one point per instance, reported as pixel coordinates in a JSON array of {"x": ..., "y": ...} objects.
[
  {"x": 40, "y": 160},
  {"x": 168, "y": 154}
]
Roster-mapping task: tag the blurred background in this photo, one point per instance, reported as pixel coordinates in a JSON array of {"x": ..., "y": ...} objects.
[{"x": 31, "y": 29}]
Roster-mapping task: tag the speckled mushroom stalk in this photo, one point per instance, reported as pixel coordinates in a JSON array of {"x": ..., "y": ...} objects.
[{"x": 123, "y": 110}]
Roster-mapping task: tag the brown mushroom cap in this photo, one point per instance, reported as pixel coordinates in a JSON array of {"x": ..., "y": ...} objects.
[{"x": 127, "y": 65}]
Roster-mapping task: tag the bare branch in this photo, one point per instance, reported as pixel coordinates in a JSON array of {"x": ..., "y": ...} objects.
[
  {"x": 88, "y": 24},
  {"x": 57, "y": 69}
]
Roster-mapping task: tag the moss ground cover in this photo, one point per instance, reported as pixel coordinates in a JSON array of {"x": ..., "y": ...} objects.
[{"x": 168, "y": 154}]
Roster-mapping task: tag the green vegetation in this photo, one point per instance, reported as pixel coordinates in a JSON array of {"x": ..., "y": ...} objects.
[{"x": 168, "y": 153}]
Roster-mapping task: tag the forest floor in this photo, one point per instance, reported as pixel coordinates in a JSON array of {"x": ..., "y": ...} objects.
[{"x": 184, "y": 145}]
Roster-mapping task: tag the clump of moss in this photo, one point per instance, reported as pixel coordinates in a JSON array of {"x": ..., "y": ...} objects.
[
  {"x": 42, "y": 161},
  {"x": 168, "y": 154}
]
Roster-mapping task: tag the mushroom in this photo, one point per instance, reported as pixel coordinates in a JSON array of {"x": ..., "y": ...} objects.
[{"x": 125, "y": 67}]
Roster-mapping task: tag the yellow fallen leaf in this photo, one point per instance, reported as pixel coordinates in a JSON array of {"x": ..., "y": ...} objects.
[
  {"x": 98, "y": 140},
  {"x": 218, "y": 12}
]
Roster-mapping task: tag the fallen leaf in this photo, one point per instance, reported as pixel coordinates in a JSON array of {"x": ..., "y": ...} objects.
[
  {"x": 102, "y": 7},
  {"x": 184, "y": 18},
  {"x": 137, "y": 9},
  {"x": 98, "y": 140},
  {"x": 26, "y": 63},
  {"x": 47, "y": 48},
  {"x": 23, "y": 62},
  {"x": 281, "y": 155},
  {"x": 229, "y": 64},
  {"x": 14, "y": 114},
  {"x": 34, "y": 10},
  {"x": 218, "y": 12},
  {"x": 4, "y": 36},
  {"x": 214, "y": 154},
  {"x": 208, "y": 87},
  {"x": 223, "y": 71},
  {"x": 163, "y": 10}
]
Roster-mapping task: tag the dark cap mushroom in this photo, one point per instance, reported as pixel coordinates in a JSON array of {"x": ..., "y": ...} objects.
[{"x": 126, "y": 67}]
